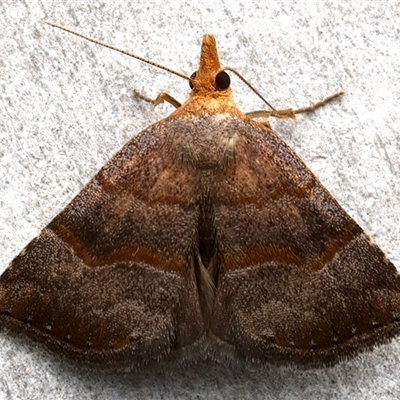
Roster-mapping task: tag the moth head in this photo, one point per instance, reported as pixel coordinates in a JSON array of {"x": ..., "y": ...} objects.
[{"x": 209, "y": 77}]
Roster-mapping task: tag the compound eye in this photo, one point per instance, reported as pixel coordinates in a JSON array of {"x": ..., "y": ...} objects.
[
  {"x": 222, "y": 81},
  {"x": 192, "y": 77}
]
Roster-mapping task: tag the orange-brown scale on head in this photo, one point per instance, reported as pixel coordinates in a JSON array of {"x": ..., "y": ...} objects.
[{"x": 207, "y": 97}]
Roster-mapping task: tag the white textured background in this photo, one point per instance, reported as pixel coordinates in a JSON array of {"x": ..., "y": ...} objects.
[{"x": 66, "y": 106}]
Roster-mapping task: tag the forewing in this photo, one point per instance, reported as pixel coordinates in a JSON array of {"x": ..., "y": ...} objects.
[
  {"x": 110, "y": 279},
  {"x": 299, "y": 281}
]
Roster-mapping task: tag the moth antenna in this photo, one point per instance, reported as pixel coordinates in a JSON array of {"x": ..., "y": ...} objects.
[
  {"x": 244, "y": 80},
  {"x": 117, "y": 49}
]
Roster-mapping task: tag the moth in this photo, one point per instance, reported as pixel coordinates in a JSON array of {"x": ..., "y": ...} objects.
[{"x": 205, "y": 236}]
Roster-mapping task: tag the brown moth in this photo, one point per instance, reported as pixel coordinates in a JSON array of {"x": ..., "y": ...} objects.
[{"x": 205, "y": 236}]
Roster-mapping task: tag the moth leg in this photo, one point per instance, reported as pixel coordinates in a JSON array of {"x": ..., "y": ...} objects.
[
  {"x": 283, "y": 114},
  {"x": 290, "y": 113},
  {"x": 319, "y": 104},
  {"x": 159, "y": 99}
]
